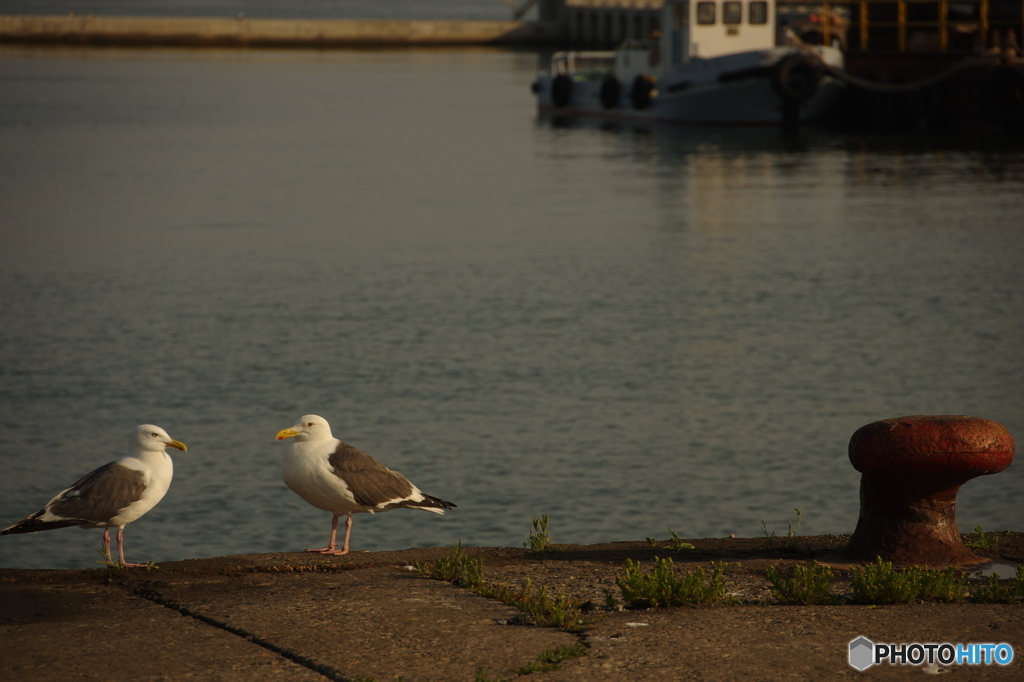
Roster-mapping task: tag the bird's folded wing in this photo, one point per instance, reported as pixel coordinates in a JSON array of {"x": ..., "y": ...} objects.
[{"x": 99, "y": 495}]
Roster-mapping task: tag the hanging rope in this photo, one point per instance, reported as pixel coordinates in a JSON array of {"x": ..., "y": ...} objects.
[{"x": 865, "y": 84}]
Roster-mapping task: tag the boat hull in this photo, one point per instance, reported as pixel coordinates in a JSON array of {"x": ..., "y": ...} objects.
[
  {"x": 741, "y": 89},
  {"x": 752, "y": 103}
]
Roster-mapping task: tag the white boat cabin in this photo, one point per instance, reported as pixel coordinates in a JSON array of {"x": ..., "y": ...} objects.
[
  {"x": 710, "y": 28},
  {"x": 700, "y": 29}
]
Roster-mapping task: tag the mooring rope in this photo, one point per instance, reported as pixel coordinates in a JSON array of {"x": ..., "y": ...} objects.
[
  {"x": 874, "y": 86},
  {"x": 921, "y": 84}
]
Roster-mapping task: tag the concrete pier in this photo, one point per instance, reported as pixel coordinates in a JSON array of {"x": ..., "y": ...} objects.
[
  {"x": 315, "y": 33},
  {"x": 295, "y": 617}
]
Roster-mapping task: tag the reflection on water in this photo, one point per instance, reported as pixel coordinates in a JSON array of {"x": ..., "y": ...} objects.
[
  {"x": 626, "y": 329},
  {"x": 1002, "y": 571}
]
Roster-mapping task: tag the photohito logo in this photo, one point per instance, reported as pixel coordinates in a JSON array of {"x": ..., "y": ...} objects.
[{"x": 864, "y": 653}]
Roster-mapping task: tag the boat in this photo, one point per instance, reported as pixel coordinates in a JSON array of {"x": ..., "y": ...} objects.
[{"x": 713, "y": 62}]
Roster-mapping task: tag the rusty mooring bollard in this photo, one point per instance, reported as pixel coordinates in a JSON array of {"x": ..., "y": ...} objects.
[{"x": 911, "y": 469}]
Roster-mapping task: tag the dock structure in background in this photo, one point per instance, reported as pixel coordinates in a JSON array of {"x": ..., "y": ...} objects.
[
  {"x": 916, "y": 65},
  {"x": 602, "y": 23},
  {"x": 866, "y": 26},
  {"x": 895, "y": 31},
  {"x": 595, "y": 23},
  {"x": 246, "y": 32}
]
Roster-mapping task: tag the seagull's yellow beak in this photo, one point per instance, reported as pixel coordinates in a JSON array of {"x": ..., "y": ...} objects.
[
  {"x": 177, "y": 445},
  {"x": 290, "y": 432}
]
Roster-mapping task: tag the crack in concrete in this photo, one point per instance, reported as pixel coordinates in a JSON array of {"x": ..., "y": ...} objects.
[{"x": 308, "y": 663}]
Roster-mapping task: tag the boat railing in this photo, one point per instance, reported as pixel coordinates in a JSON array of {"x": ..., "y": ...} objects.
[
  {"x": 638, "y": 45},
  {"x": 582, "y": 63}
]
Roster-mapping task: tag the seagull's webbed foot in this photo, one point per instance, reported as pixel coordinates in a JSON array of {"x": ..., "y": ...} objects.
[{"x": 330, "y": 548}]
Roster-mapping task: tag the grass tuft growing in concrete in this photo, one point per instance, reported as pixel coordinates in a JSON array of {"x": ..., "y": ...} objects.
[
  {"x": 880, "y": 583},
  {"x": 661, "y": 587},
  {"x": 540, "y": 607},
  {"x": 791, "y": 544},
  {"x": 560, "y": 611},
  {"x": 992, "y": 592},
  {"x": 982, "y": 539},
  {"x": 552, "y": 658},
  {"x": 676, "y": 544},
  {"x": 539, "y": 540},
  {"x": 809, "y": 585},
  {"x": 455, "y": 568}
]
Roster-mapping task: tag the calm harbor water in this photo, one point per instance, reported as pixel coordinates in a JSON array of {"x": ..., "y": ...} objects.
[{"x": 629, "y": 330}]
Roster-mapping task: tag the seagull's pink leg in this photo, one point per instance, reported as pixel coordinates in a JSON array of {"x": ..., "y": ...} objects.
[
  {"x": 334, "y": 534},
  {"x": 106, "y": 546},
  {"x": 330, "y": 549},
  {"x": 120, "y": 550}
]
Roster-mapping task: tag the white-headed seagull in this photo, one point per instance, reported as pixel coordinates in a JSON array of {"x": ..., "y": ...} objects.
[
  {"x": 336, "y": 477},
  {"x": 115, "y": 494}
]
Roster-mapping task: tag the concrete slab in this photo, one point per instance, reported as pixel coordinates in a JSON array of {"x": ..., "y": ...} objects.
[
  {"x": 295, "y": 616},
  {"x": 60, "y": 632}
]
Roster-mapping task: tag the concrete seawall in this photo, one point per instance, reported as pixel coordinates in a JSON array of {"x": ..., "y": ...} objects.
[
  {"x": 295, "y": 617},
  {"x": 314, "y": 33}
]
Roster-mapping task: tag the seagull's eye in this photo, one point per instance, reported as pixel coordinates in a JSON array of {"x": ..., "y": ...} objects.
[
  {"x": 154, "y": 435},
  {"x": 309, "y": 424}
]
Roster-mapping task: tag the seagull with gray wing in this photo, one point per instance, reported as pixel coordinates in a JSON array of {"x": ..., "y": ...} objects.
[
  {"x": 336, "y": 477},
  {"x": 115, "y": 494}
]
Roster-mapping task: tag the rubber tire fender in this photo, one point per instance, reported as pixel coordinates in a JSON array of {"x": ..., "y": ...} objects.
[
  {"x": 642, "y": 91},
  {"x": 610, "y": 91},
  {"x": 561, "y": 90},
  {"x": 796, "y": 78}
]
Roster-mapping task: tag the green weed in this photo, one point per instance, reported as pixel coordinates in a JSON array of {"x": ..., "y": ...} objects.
[
  {"x": 880, "y": 583},
  {"x": 984, "y": 540},
  {"x": 539, "y": 540},
  {"x": 107, "y": 561},
  {"x": 809, "y": 585},
  {"x": 550, "y": 659},
  {"x": 455, "y": 568},
  {"x": 676, "y": 544},
  {"x": 661, "y": 587},
  {"x": 542, "y": 609},
  {"x": 949, "y": 585},
  {"x": 991, "y": 592},
  {"x": 791, "y": 534}
]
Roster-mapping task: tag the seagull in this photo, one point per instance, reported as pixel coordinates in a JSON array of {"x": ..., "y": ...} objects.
[
  {"x": 114, "y": 495},
  {"x": 336, "y": 477}
]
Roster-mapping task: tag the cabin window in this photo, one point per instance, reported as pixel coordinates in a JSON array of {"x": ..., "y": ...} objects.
[
  {"x": 732, "y": 13},
  {"x": 705, "y": 13},
  {"x": 758, "y": 12}
]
